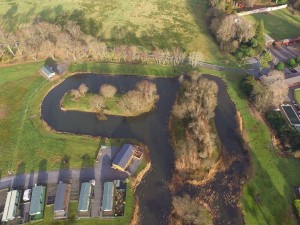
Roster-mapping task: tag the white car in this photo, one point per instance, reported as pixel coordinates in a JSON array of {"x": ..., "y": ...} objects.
[{"x": 27, "y": 195}]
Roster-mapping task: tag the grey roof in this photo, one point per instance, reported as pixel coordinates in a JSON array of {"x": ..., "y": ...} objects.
[
  {"x": 125, "y": 154},
  {"x": 47, "y": 71},
  {"x": 107, "y": 202},
  {"x": 59, "y": 203},
  {"x": 36, "y": 200},
  {"x": 84, "y": 198}
]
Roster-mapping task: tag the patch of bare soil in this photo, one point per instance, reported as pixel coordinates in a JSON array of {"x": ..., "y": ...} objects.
[{"x": 4, "y": 110}]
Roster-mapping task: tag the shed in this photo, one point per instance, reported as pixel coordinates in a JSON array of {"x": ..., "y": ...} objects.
[
  {"x": 84, "y": 198},
  {"x": 37, "y": 200},
  {"x": 47, "y": 71},
  {"x": 108, "y": 196},
  {"x": 124, "y": 157},
  {"x": 61, "y": 199},
  {"x": 11, "y": 206}
]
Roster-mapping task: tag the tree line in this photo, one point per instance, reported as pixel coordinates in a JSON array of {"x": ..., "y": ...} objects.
[
  {"x": 68, "y": 42},
  {"x": 235, "y": 35}
]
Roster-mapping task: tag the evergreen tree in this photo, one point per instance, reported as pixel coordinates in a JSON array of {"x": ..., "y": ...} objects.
[{"x": 259, "y": 35}]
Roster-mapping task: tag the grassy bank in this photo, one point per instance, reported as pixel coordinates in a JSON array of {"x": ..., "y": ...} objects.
[
  {"x": 26, "y": 143},
  {"x": 273, "y": 176},
  {"x": 297, "y": 95},
  {"x": 48, "y": 218},
  {"x": 279, "y": 24},
  {"x": 84, "y": 104},
  {"x": 129, "y": 69}
]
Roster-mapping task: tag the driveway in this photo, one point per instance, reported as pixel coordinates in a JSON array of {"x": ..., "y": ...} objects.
[{"x": 284, "y": 53}]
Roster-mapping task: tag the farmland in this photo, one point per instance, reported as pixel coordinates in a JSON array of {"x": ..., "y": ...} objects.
[
  {"x": 154, "y": 23},
  {"x": 279, "y": 24}
]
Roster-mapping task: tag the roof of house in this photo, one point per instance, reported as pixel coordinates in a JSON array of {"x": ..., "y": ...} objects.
[
  {"x": 292, "y": 81},
  {"x": 47, "y": 71},
  {"x": 124, "y": 156},
  {"x": 36, "y": 200},
  {"x": 84, "y": 198},
  {"x": 10, "y": 205},
  {"x": 108, "y": 192},
  {"x": 268, "y": 38},
  {"x": 61, "y": 192}
]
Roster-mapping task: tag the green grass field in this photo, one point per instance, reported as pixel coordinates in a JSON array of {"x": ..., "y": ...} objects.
[
  {"x": 147, "y": 23},
  {"x": 26, "y": 144},
  {"x": 297, "y": 95},
  {"x": 268, "y": 195},
  {"x": 279, "y": 24}
]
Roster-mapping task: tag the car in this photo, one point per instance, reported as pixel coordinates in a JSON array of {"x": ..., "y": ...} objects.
[{"x": 27, "y": 195}]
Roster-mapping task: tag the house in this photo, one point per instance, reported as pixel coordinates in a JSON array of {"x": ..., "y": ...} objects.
[
  {"x": 47, "y": 71},
  {"x": 37, "y": 202},
  {"x": 62, "y": 198},
  {"x": 124, "y": 157},
  {"x": 11, "y": 206},
  {"x": 84, "y": 198},
  {"x": 108, "y": 197}
]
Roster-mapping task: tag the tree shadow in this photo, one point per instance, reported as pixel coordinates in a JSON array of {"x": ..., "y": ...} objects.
[
  {"x": 49, "y": 62},
  {"x": 42, "y": 173},
  {"x": 31, "y": 179},
  {"x": 19, "y": 180},
  {"x": 87, "y": 171},
  {"x": 65, "y": 174}
]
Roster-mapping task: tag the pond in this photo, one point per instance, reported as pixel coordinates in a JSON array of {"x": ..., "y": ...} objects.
[{"x": 152, "y": 129}]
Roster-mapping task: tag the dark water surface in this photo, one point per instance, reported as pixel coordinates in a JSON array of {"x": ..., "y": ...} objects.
[{"x": 152, "y": 129}]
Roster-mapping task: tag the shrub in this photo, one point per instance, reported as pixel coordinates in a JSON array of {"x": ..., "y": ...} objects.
[
  {"x": 83, "y": 89},
  {"x": 298, "y": 59},
  {"x": 108, "y": 91},
  {"x": 297, "y": 207},
  {"x": 280, "y": 66},
  {"x": 283, "y": 130},
  {"x": 292, "y": 62}
]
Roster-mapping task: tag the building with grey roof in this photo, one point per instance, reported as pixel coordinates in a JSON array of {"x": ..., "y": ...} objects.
[
  {"x": 61, "y": 202},
  {"x": 84, "y": 198},
  {"x": 47, "y": 71},
  {"x": 124, "y": 157},
  {"x": 108, "y": 197},
  {"x": 37, "y": 201}
]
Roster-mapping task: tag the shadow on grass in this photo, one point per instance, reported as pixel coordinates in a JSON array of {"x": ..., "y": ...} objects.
[
  {"x": 42, "y": 174},
  {"x": 19, "y": 180},
  {"x": 65, "y": 173}
]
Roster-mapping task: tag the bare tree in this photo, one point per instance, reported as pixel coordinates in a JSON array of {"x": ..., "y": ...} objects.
[
  {"x": 83, "y": 89},
  {"x": 6, "y": 42},
  {"x": 194, "y": 58},
  {"x": 177, "y": 56},
  {"x": 108, "y": 91}
]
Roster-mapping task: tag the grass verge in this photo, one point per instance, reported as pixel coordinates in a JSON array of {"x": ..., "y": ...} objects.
[
  {"x": 273, "y": 176},
  {"x": 297, "y": 96}
]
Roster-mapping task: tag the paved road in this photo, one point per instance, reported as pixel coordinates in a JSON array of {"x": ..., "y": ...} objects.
[{"x": 101, "y": 172}]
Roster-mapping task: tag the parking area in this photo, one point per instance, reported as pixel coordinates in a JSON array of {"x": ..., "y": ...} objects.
[{"x": 284, "y": 53}]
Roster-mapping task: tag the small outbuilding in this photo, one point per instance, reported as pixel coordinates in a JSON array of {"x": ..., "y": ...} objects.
[
  {"x": 124, "y": 157},
  {"x": 268, "y": 40},
  {"x": 62, "y": 198},
  {"x": 48, "y": 71},
  {"x": 84, "y": 198},
  {"x": 11, "y": 206},
  {"x": 37, "y": 202},
  {"x": 108, "y": 197}
]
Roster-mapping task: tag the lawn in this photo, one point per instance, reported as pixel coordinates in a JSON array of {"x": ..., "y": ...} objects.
[
  {"x": 297, "y": 95},
  {"x": 129, "y": 69},
  {"x": 147, "y": 23},
  {"x": 26, "y": 143},
  {"x": 268, "y": 196},
  {"x": 48, "y": 218},
  {"x": 279, "y": 24}
]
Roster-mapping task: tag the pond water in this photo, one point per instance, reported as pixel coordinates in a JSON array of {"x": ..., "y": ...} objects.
[{"x": 152, "y": 129}]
